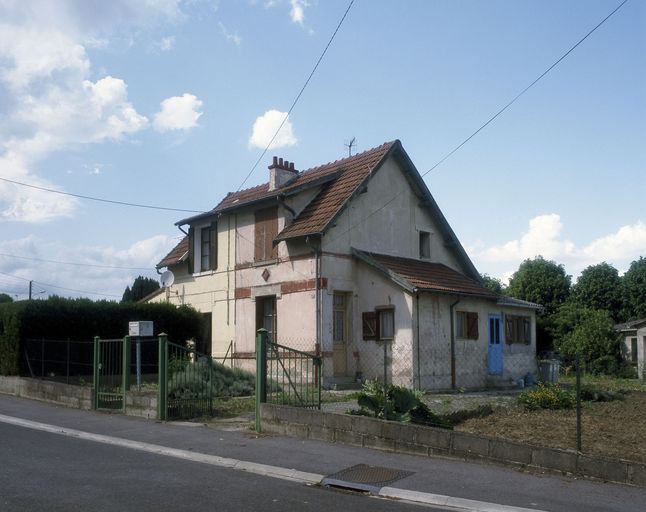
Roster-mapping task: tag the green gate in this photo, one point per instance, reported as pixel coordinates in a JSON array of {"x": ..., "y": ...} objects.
[
  {"x": 286, "y": 376},
  {"x": 111, "y": 358}
]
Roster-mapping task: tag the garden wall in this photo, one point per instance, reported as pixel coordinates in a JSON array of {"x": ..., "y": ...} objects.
[
  {"x": 429, "y": 441},
  {"x": 142, "y": 404}
]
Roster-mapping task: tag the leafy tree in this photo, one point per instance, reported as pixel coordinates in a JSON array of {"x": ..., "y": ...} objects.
[
  {"x": 541, "y": 281},
  {"x": 5, "y": 298},
  {"x": 633, "y": 284},
  {"x": 492, "y": 283},
  {"x": 599, "y": 287},
  {"x": 142, "y": 287},
  {"x": 594, "y": 339}
]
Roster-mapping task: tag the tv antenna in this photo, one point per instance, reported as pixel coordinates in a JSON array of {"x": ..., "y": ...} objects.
[{"x": 350, "y": 145}]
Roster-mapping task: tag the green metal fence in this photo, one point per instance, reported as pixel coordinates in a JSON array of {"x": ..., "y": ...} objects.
[
  {"x": 286, "y": 376},
  {"x": 111, "y": 373}
]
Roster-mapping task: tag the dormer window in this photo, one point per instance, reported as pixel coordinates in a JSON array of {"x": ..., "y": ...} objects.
[{"x": 424, "y": 245}]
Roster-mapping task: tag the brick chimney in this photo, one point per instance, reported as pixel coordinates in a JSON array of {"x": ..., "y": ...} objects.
[{"x": 281, "y": 172}]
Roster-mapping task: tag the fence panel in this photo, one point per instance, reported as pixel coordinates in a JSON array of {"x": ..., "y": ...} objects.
[
  {"x": 68, "y": 361},
  {"x": 111, "y": 373}
]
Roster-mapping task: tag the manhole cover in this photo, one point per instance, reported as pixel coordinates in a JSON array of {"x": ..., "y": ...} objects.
[{"x": 365, "y": 478}]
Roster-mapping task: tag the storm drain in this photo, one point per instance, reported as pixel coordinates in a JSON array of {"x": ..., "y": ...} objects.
[{"x": 365, "y": 478}]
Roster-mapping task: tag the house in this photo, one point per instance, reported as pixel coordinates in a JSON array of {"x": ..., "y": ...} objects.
[
  {"x": 633, "y": 346},
  {"x": 354, "y": 260}
]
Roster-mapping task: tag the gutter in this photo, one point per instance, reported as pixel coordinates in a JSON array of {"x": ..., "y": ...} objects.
[{"x": 452, "y": 311}]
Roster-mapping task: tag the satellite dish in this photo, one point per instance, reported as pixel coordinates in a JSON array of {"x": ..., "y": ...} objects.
[{"x": 167, "y": 279}]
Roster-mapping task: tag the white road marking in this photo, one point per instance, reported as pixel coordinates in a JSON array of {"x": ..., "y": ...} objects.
[{"x": 292, "y": 475}]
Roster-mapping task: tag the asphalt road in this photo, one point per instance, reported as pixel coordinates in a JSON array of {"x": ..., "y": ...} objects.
[{"x": 42, "y": 471}]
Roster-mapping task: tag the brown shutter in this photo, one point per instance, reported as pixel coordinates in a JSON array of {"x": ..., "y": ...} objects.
[
  {"x": 472, "y": 326},
  {"x": 369, "y": 321},
  {"x": 213, "y": 246},
  {"x": 191, "y": 249},
  {"x": 266, "y": 229}
]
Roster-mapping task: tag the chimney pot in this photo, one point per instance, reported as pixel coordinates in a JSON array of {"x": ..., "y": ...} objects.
[
  {"x": 291, "y": 166},
  {"x": 275, "y": 160},
  {"x": 280, "y": 163}
]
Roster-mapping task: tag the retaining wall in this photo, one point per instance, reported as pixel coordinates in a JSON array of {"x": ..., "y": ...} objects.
[
  {"x": 428, "y": 441},
  {"x": 142, "y": 404}
]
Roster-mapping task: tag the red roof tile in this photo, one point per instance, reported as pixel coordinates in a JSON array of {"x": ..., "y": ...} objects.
[
  {"x": 176, "y": 255},
  {"x": 425, "y": 275}
]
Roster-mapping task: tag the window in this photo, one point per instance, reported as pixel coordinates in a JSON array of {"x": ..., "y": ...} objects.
[
  {"x": 633, "y": 350},
  {"x": 206, "y": 246},
  {"x": 518, "y": 329},
  {"x": 266, "y": 229},
  {"x": 202, "y": 248},
  {"x": 466, "y": 325},
  {"x": 386, "y": 322},
  {"x": 424, "y": 245}
]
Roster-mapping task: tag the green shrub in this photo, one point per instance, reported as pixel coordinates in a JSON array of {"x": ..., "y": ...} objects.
[
  {"x": 547, "y": 396},
  {"x": 395, "y": 403},
  {"x": 204, "y": 379},
  {"x": 83, "y": 319}
]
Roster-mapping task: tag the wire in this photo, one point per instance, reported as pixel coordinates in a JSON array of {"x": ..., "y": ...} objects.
[
  {"x": 101, "y": 200},
  {"x": 73, "y": 263},
  {"x": 491, "y": 119},
  {"x": 60, "y": 287},
  {"x": 298, "y": 96}
]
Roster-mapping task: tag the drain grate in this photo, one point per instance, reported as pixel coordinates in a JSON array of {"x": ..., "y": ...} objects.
[{"x": 365, "y": 478}]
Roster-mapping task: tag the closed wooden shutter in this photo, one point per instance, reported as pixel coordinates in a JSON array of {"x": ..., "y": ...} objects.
[
  {"x": 266, "y": 229},
  {"x": 191, "y": 250},
  {"x": 472, "y": 326},
  {"x": 369, "y": 321}
]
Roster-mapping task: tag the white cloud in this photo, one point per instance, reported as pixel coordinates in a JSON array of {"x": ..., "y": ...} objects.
[
  {"x": 545, "y": 237},
  {"x": 232, "y": 37},
  {"x": 297, "y": 12},
  {"x": 49, "y": 101},
  {"x": 178, "y": 113},
  {"x": 141, "y": 257},
  {"x": 166, "y": 43},
  {"x": 265, "y": 127}
]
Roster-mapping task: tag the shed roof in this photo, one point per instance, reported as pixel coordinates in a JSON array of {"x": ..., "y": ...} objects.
[{"x": 176, "y": 255}]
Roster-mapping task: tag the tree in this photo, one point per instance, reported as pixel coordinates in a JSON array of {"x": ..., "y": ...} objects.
[
  {"x": 5, "y": 298},
  {"x": 541, "y": 281},
  {"x": 142, "y": 287},
  {"x": 594, "y": 339},
  {"x": 599, "y": 287},
  {"x": 633, "y": 286},
  {"x": 492, "y": 283}
]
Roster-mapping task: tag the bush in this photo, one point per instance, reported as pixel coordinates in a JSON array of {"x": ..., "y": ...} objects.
[
  {"x": 395, "y": 403},
  {"x": 83, "y": 319},
  {"x": 547, "y": 396},
  {"x": 208, "y": 379}
]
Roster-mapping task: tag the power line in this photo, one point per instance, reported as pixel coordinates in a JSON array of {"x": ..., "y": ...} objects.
[
  {"x": 492, "y": 118},
  {"x": 74, "y": 263},
  {"x": 298, "y": 96},
  {"x": 99, "y": 199},
  {"x": 47, "y": 285}
]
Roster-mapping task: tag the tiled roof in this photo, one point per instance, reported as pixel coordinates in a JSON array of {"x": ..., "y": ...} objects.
[
  {"x": 176, "y": 255},
  {"x": 425, "y": 275},
  {"x": 357, "y": 167},
  {"x": 511, "y": 301},
  {"x": 630, "y": 326}
]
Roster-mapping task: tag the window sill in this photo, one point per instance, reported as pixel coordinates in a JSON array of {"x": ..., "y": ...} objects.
[{"x": 265, "y": 263}]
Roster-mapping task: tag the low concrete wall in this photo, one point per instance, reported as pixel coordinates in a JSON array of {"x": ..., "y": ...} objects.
[
  {"x": 142, "y": 404},
  {"x": 420, "y": 440}
]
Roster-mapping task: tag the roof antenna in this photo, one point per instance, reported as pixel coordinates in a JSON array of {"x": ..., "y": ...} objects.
[{"x": 350, "y": 145}]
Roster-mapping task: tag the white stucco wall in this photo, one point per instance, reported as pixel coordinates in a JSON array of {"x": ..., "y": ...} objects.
[{"x": 640, "y": 334}]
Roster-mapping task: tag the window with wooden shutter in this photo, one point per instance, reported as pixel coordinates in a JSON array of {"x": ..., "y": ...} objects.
[
  {"x": 518, "y": 329},
  {"x": 266, "y": 229},
  {"x": 466, "y": 325}
]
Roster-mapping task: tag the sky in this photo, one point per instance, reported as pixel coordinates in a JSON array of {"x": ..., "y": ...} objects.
[{"x": 171, "y": 102}]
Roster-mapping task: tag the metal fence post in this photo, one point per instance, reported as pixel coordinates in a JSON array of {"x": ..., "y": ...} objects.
[
  {"x": 125, "y": 369},
  {"x": 95, "y": 376},
  {"x": 67, "y": 369},
  {"x": 578, "y": 403},
  {"x": 261, "y": 373},
  {"x": 162, "y": 399}
]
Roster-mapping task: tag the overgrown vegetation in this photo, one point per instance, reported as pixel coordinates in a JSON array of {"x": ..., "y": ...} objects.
[
  {"x": 396, "y": 403},
  {"x": 554, "y": 396},
  {"x": 205, "y": 379},
  {"x": 82, "y": 319}
]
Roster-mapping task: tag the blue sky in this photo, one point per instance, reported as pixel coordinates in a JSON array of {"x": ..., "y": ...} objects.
[{"x": 170, "y": 103}]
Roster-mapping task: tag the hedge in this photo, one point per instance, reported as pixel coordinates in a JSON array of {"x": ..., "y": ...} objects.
[{"x": 83, "y": 319}]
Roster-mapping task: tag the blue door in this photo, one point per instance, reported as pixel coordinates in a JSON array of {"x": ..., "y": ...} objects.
[{"x": 494, "y": 358}]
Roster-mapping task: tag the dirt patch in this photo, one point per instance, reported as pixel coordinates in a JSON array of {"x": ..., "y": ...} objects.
[{"x": 613, "y": 429}]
